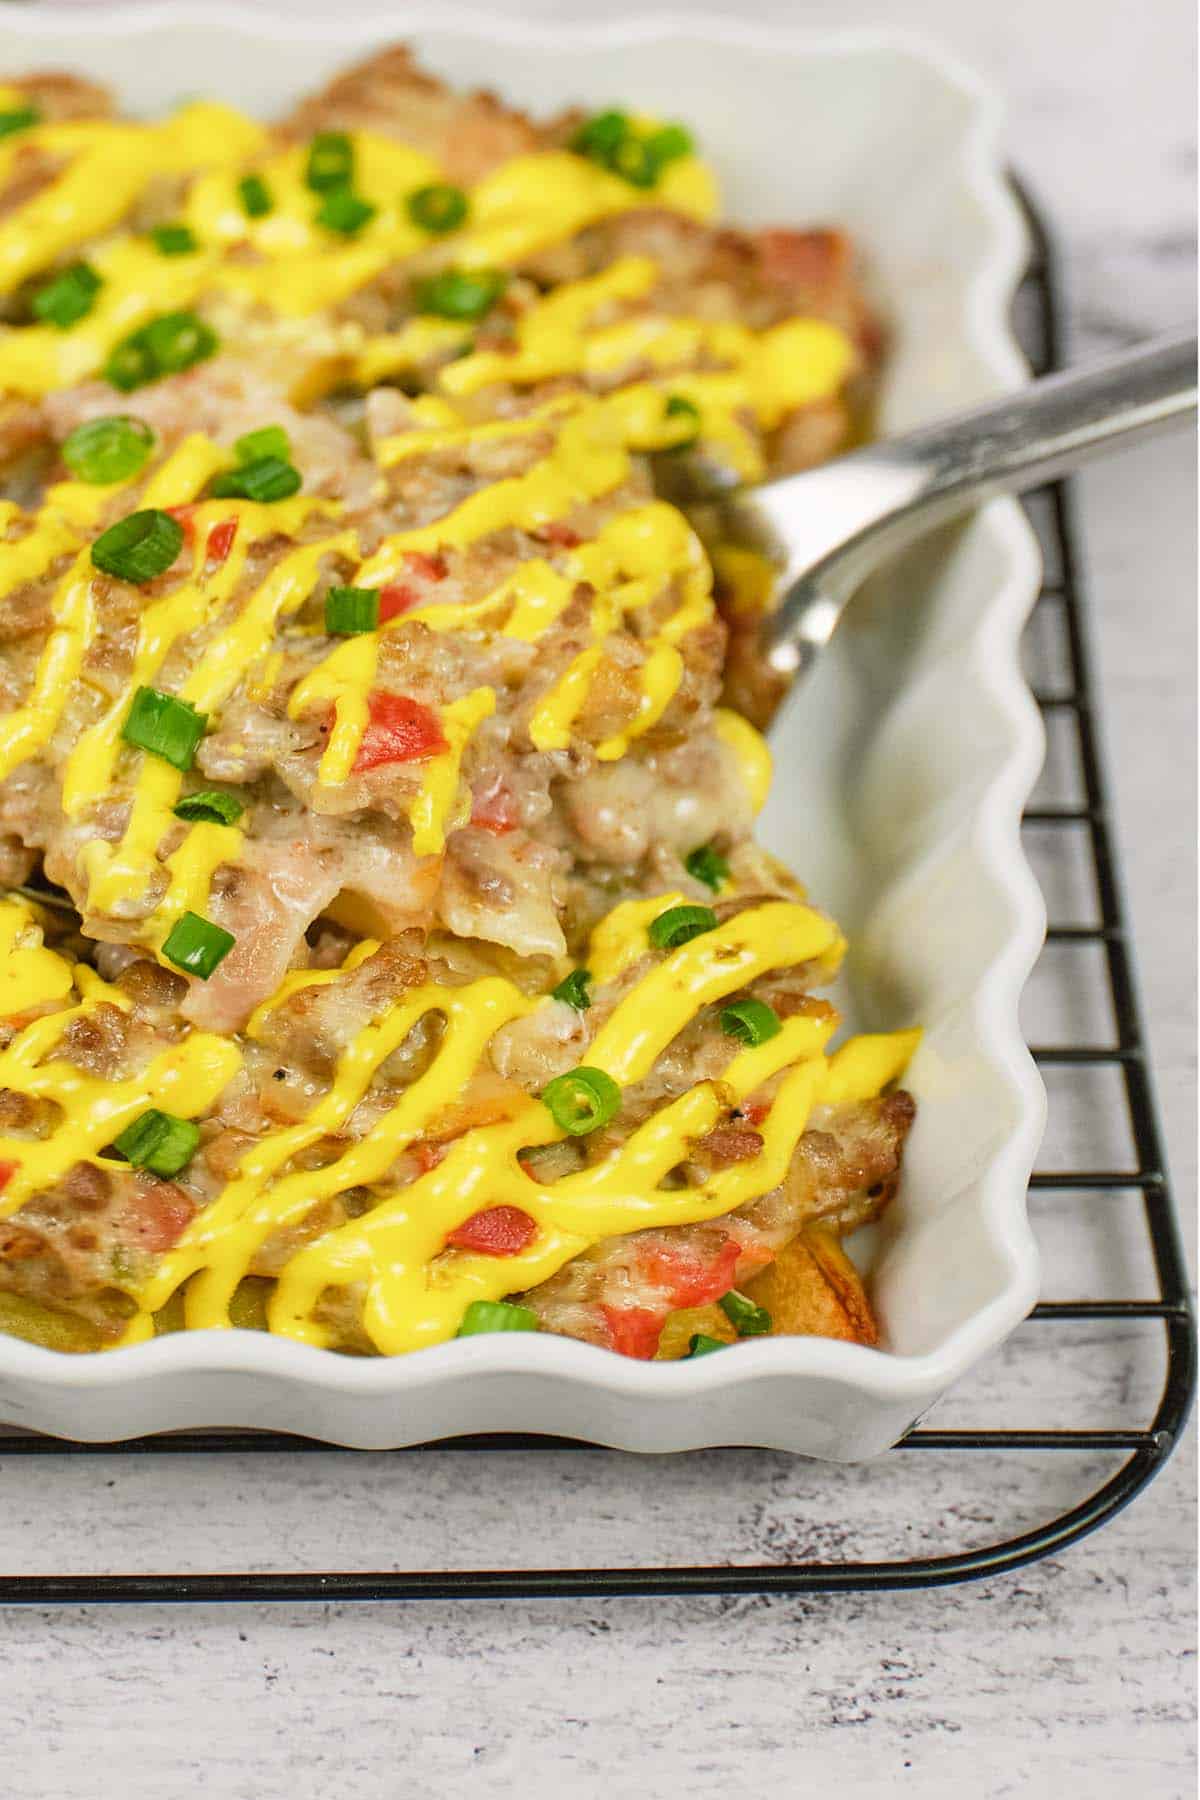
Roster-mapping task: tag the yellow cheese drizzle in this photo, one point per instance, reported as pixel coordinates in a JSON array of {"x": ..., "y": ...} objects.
[
  {"x": 295, "y": 267},
  {"x": 415, "y": 1290},
  {"x": 187, "y": 1078},
  {"x": 633, "y": 558}
]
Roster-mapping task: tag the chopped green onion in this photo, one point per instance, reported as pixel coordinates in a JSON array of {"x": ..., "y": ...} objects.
[
  {"x": 582, "y": 1101},
  {"x": 345, "y": 211},
  {"x": 633, "y": 161},
  {"x": 750, "y": 1021},
  {"x": 101, "y": 451},
  {"x": 165, "y": 726},
  {"x": 209, "y": 806},
  {"x": 350, "y": 610},
  {"x": 174, "y": 240},
  {"x": 680, "y": 407},
  {"x": 460, "y": 293},
  {"x": 165, "y": 346},
  {"x": 178, "y": 340},
  {"x": 130, "y": 364},
  {"x": 139, "y": 547},
  {"x": 669, "y": 143},
  {"x": 574, "y": 989},
  {"x": 268, "y": 440},
  {"x": 255, "y": 197},
  {"x": 437, "y": 208},
  {"x": 160, "y": 1142},
  {"x": 69, "y": 297},
  {"x": 707, "y": 865},
  {"x": 265, "y": 479},
  {"x": 680, "y": 924},
  {"x": 496, "y": 1315},
  {"x": 703, "y": 1345},
  {"x": 18, "y": 118},
  {"x": 599, "y": 136},
  {"x": 330, "y": 161},
  {"x": 747, "y": 1319},
  {"x": 197, "y": 945}
]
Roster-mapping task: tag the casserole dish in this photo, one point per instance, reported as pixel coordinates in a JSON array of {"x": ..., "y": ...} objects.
[{"x": 927, "y": 875}]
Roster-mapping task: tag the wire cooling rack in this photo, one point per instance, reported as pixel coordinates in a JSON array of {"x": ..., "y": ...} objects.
[{"x": 1144, "y": 1445}]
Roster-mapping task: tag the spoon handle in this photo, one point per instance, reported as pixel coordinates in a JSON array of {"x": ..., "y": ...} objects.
[
  {"x": 1057, "y": 423},
  {"x": 904, "y": 486}
]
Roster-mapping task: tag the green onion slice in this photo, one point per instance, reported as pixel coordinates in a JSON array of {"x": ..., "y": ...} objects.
[
  {"x": 160, "y": 1142},
  {"x": 633, "y": 161},
  {"x": 703, "y": 1345},
  {"x": 707, "y": 865},
  {"x": 351, "y": 610},
  {"x": 268, "y": 440},
  {"x": 669, "y": 143},
  {"x": 209, "y": 806},
  {"x": 174, "y": 240},
  {"x": 574, "y": 989},
  {"x": 178, "y": 341},
  {"x": 265, "y": 479},
  {"x": 344, "y": 211},
  {"x": 165, "y": 346},
  {"x": 582, "y": 1101},
  {"x": 747, "y": 1319},
  {"x": 688, "y": 413},
  {"x": 750, "y": 1021},
  {"x": 69, "y": 297},
  {"x": 460, "y": 293},
  {"x": 164, "y": 725},
  {"x": 599, "y": 136},
  {"x": 437, "y": 208},
  {"x": 196, "y": 945},
  {"x": 130, "y": 364},
  {"x": 330, "y": 161},
  {"x": 680, "y": 924},
  {"x": 496, "y": 1315},
  {"x": 255, "y": 197},
  {"x": 139, "y": 547},
  {"x": 105, "y": 450},
  {"x": 18, "y": 118}
]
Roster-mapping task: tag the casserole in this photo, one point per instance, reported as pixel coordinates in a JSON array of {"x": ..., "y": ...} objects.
[{"x": 997, "y": 753}]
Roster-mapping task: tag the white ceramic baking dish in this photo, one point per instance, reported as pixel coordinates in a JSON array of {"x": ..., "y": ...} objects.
[{"x": 902, "y": 767}]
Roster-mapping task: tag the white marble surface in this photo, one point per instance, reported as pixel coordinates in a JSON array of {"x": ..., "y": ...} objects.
[{"x": 1074, "y": 1674}]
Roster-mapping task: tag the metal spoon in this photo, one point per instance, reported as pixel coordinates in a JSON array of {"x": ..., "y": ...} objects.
[{"x": 828, "y": 528}]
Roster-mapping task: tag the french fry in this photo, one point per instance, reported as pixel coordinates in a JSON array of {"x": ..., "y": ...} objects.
[{"x": 812, "y": 1289}]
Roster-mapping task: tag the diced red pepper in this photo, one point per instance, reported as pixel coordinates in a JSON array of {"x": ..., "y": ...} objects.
[
  {"x": 185, "y": 517},
  {"x": 689, "y": 1279},
  {"x": 496, "y": 1231},
  {"x": 754, "y": 1111},
  {"x": 396, "y": 599},
  {"x": 561, "y": 535},
  {"x": 495, "y": 810},
  {"x": 634, "y": 1330},
  {"x": 527, "y": 1168},
  {"x": 400, "y": 730},
  {"x": 432, "y": 568},
  {"x": 7, "y": 1171},
  {"x": 220, "y": 540}
]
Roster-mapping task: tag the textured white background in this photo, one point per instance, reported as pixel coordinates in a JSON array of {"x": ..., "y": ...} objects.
[{"x": 1076, "y": 1674}]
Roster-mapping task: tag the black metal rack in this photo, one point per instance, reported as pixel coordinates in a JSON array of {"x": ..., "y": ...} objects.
[{"x": 1145, "y": 1446}]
